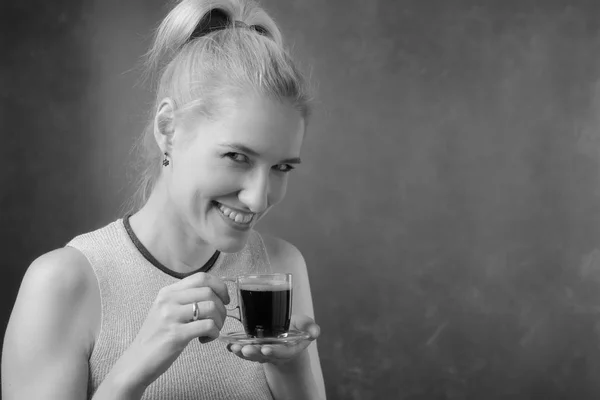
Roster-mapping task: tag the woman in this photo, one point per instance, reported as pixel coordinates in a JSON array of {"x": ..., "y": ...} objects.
[{"x": 117, "y": 313}]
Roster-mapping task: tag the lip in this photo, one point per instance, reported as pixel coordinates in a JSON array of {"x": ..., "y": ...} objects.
[{"x": 232, "y": 223}]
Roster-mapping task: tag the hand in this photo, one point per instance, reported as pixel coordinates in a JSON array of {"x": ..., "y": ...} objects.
[
  {"x": 279, "y": 354},
  {"x": 168, "y": 328}
]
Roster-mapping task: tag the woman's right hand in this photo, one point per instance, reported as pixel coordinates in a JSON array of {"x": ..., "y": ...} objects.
[{"x": 169, "y": 327}]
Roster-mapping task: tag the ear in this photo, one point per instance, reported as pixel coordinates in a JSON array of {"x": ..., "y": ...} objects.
[{"x": 164, "y": 125}]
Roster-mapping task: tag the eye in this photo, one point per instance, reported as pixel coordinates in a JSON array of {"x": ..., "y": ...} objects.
[
  {"x": 283, "y": 168},
  {"x": 237, "y": 157}
]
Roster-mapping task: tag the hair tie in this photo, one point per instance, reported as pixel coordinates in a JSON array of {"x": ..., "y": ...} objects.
[{"x": 216, "y": 20}]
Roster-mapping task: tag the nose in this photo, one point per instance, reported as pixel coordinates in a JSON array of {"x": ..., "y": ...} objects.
[{"x": 255, "y": 194}]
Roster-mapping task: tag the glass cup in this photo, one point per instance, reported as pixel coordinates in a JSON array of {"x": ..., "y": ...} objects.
[{"x": 264, "y": 304}]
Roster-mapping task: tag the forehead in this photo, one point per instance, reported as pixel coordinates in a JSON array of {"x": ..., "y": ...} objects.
[{"x": 269, "y": 127}]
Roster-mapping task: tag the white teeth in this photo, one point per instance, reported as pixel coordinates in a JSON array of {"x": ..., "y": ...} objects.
[{"x": 240, "y": 218}]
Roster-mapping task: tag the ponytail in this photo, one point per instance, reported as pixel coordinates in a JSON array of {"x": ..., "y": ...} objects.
[{"x": 192, "y": 19}]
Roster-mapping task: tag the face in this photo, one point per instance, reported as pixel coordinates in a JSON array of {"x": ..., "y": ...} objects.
[{"x": 227, "y": 173}]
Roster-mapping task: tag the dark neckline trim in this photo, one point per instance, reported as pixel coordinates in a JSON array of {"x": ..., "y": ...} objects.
[{"x": 148, "y": 256}]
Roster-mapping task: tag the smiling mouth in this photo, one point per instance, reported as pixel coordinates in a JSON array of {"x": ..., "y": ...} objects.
[{"x": 240, "y": 218}]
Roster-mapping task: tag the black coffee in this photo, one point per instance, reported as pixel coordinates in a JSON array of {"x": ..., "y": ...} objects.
[{"x": 266, "y": 309}]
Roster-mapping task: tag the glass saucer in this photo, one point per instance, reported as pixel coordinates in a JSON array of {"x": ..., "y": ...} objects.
[{"x": 289, "y": 338}]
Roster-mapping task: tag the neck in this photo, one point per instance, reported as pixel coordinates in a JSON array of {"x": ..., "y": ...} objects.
[{"x": 167, "y": 236}]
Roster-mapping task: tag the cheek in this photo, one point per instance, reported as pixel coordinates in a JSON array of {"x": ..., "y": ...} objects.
[
  {"x": 198, "y": 189},
  {"x": 277, "y": 191},
  {"x": 224, "y": 182},
  {"x": 196, "y": 203},
  {"x": 187, "y": 189}
]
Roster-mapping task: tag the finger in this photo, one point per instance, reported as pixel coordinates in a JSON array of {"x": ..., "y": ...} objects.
[
  {"x": 248, "y": 352},
  {"x": 203, "y": 328},
  {"x": 235, "y": 348},
  {"x": 206, "y": 310},
  {"x": 250, "y": 355},
  {"x": 282, "y": 352},
  {"x": 194, "y": 294},
  {"x": 212, "y": 310},
  {"x": 314, "y": 331},
  {"x": 306, "y": 324},
  {"x": 267, "y": 351},
  {"x": 202, "y": 279},
  {"x": 251, "y": 351},
  {"x": 198, "y": 295}
]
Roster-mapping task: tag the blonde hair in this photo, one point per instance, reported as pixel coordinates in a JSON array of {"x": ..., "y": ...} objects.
[{"x": 205, "y": 52}]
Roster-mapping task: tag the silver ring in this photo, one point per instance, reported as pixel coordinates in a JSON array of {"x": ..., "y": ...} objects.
[{"x": 195, "y": 312}]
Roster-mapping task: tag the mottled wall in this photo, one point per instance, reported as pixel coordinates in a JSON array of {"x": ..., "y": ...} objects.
[{"x": 448, "y": 207}]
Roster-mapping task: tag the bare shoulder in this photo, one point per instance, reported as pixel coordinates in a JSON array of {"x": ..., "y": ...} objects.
[
  {"x": 52, "y": 328},
  {"x": 283, "y": 254},
  {"x": 65, "y": 271},
  {"x": 58, "y": 287}
]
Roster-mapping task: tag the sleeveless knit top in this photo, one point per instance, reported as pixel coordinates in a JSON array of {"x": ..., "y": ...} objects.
[{"x": 129, "y": 283}]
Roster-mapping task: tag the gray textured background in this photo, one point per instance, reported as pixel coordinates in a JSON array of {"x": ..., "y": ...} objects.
[{"x": 448, "y": 207}]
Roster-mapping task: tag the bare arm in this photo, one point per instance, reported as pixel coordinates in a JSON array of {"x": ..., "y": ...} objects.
[
  {"x": 301, "y": 377},
  {"x": 51, "y": 330},
  {"x": 56, "y": 317}
]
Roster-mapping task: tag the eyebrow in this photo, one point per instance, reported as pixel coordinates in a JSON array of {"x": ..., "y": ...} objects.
[{"x": 245, "y": 149}]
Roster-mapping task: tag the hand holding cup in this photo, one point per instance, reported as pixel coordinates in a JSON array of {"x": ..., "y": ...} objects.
[
  {"x": 191, "y": 308},
  {"x": 271, "y": 334},
  {"x": 279, "y": 353}
]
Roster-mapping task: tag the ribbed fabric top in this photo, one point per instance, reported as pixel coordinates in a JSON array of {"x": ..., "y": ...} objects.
[{"x": 129, "y": 283}]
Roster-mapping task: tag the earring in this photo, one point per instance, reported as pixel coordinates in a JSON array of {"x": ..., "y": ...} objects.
[{"x": 166, "y": 160}]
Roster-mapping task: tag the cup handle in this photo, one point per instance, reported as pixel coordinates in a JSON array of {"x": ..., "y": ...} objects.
[{"x": 233, "y": 312}]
